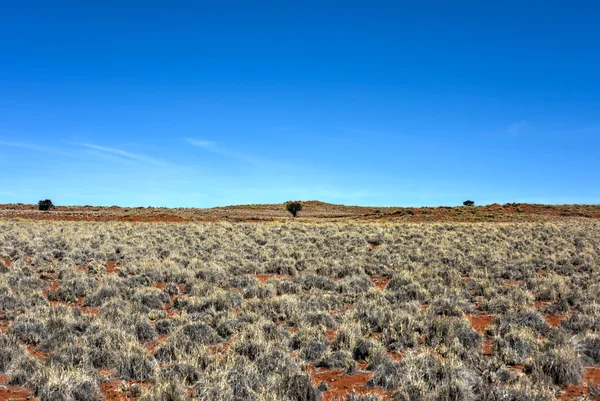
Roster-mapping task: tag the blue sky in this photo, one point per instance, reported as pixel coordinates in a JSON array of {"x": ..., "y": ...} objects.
[{"x": 234, "y": 102}]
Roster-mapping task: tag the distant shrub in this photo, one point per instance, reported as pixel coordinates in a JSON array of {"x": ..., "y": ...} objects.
[
  {"x": 45, "y": 204},
  {"x": 469, "y": 203},
  {"x": 293, "y": 207}
]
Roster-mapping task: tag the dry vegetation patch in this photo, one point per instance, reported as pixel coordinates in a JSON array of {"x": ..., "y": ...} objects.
[{"x": 297, "y": 311}]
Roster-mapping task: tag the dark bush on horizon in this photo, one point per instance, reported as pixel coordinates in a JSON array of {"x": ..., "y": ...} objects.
[
  {"x": 45, "y": 204},
  {"x": 293, "y": 207},
  {"x": 469, "y": 203}
]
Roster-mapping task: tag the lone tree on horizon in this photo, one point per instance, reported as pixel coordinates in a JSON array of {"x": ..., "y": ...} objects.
[
  {"x": 469, "y": 203},
  {"x": 293, "y": 207},
  {"x": 45, "y": 204}
]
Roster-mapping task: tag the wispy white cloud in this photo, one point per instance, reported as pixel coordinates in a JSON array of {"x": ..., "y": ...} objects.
[
  {"x": 28, "y": 146},
  {"x": 212, "y": 147},
  {"x": 123, "y": 154}
]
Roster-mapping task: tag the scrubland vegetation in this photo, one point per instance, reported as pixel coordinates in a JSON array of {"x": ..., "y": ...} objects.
[{"x": 300, "y": 312}]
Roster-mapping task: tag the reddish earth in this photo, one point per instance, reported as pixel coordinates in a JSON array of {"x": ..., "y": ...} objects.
[
  {"x": 488, "y": 346},
  {"x": 37, "y": 354},
  {"x": 313, "y": 210},
  {"x": 90, "y": 311},
  {"x": 573, "y": 392},
  {"x": 262, "y": 278},
  {"x": 361, "y": 365},
  {"x": 480, "y": 322},
  {"x": 541, "y": 304},
  {"x": 372, "y": 246},
  {"x": 591, "y": 376},
  {"x": 4, "y": 323},
  {"x": 152, "y": 346},
  {"x": 14, "y": 393},
  {"x": 111, "y": 267},
  {"x": 396, "y": 356},
  {"x": 554, "y": 320},
  {"x": 117, "y": 391},
  {"x": 518, "y": 368},
  {"x": 380, "y": 282},
  {"x": 339, "y": 384},
  {"x": 509, "y": 283},
  {"x": 330, "y": 334},
  {"x": 6, "y": 262}
]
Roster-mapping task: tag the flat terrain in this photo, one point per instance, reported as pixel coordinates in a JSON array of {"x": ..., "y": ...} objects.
[
  {"x": 313, "y": 211},
  {"x": 359, "y": 309}
]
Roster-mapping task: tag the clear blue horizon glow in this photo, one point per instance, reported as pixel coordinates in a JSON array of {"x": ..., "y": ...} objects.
[{"x": 201, "y": 104}]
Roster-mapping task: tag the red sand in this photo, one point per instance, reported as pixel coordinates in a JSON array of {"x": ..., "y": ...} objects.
[
  {"x": 554, "y": 320},
  {"x": 262, "y": 278},
  {"x": 111, "y": 267},
  {"x": 591, "y": 375},
  {"x": 14, "y": 393},
  {"x": 37, "y": 354},
  {"x": 330, "y": 334},
  {"x": 340, "y": 385},
  {"x": 380, "y": 282},
  {"x": 480, "y": 322},
  {"x": 488, "y": 347}
]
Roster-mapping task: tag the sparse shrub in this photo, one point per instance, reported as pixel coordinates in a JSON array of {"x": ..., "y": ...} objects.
[
  {"x": 354, "y": 285},
  {"x": 448, "y": 332},
  {"x": 580, "y": 323},
  {"x": 152, "y": 298},
  {"x": 469, "y": 203},
  {"x": 321, "y": 319},
  {"x": 562, "y": 365},
  {"x": 516, "y": 345},
  {"x": 338, "y": 360},
  {"x": 284, "y": 266},
  {"x": 277, "y": 360},
  {"x": 293, "y": 207},
  {"x": 426, "y": 376},
  {"x": 518, "y": 392},
  {"x": 365, "y": 350},
  {"x": 590, "y": 348},
  {"x": 51, "y": 384},
  {"x": 363, "y": 397},
  {"x": 166, "y": 390},
  {"x": 199, "y": 333},
  {"x": 45, "y": 205},
  {"x": 145, "y": 331},
  {"x": 183, "y": 372},
  {"x": 163, "y": 326},
  {"x": 529, "y": 319},
  {"x": 299, "y": 387},
  {"x": 9, "y": 351},
  {"x": 387, "y": 375},
  {"x": 310, "y": 281},
  {"x": 313, "y": 350},
  {"x": 135, "y": 364},
  {"x": 22, "y": 369},
  {"x": 101, "y": 295},
  {"x": 29, "y": 332},
  {"x": 452, "y": 305}
]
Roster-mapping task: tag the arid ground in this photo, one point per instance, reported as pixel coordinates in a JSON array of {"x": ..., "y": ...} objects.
[
  {"x": 499, "y": 302},
  {"x": 313, "y": 211}
]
